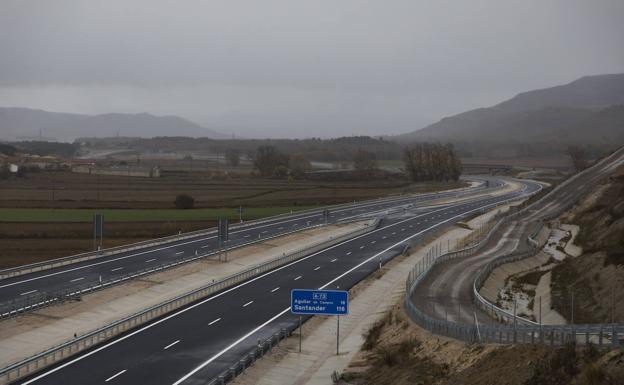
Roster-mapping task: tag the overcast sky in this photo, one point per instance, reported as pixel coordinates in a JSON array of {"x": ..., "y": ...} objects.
[{"x": 292, "y": 68}]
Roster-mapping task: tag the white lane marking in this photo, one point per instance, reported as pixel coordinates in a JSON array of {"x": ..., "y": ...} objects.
[
  {"x": 117, "y": 268},
  {"x": 373, "y": 242},
  {"x": 150, "y": 260},
  {"x": 243, "y": 338},
  {"x": 204, "y": 246},
  {"x": 214, "y": 322},
  {"x": 181, "y": 252},
  {"x": 299, "y": 277},
  {"x": 394, "y": 233},
  {"x": 274, "y": 290},
  {"x": 281, "y": 228},
  {"x": 348, "y": 253},
  {"x": 334, "y": 260},
  {"x": 384, "y": 237},
  {"x": 182, "y": 311},
  {"x": 265, "y": 231},
  {"x": 316, "y": 268},
  {"x": 246, "y": 236},
  {"x": 77, "y": 279},
  {"x": 29, "y": 292},
  {"x": 361, "y": 247},
  {"x": 118, "y": 374},
  {"x": 296, "y": 224},
  {"x": 171, "y": 344},
  {"x": 248, "y": 303}
]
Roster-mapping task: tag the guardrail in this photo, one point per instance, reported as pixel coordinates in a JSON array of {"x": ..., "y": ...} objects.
[
  {"x": 57, "y": 262},
  {"x": 41, "y": 299},
  {"x": 521, "y": 330},
  {"x": 53, "y": 355}
]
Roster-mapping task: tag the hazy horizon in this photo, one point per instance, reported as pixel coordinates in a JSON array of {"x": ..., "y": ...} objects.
[{"x": 294, "y": 70}]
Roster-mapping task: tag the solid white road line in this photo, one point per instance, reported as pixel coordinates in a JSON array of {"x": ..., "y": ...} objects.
[
  {"x": 334, "y": 260},
  {"x": 29, "y": 292},
  {"x": 77, "y": 279},
  {"x": 181, "y": 252},
  {"x": 361, "y": 247},
  {"x": 348, "y": 253},
  {"x": 214, "y": 322},
  {"x": 316, "y": 268},
  {"x": 117, "y": 268},
  {"x": 248, "y": 303},
  {"x": 204, "y": 246},
  {"x": 118, "y": 374},
  {"x": 274, "y": 290},
  {"x": 171, "y": 344},
  {"x": 297, "y": 278},
  {"x": 150, "y": 260}
]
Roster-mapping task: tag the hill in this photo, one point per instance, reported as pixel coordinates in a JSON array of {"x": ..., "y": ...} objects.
[
  {"x": 562, "y": 114},
  {"x": 25, "y": 123}
]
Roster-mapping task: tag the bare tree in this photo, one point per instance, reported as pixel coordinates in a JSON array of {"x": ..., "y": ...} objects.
[{"x": 578, "y": 156}]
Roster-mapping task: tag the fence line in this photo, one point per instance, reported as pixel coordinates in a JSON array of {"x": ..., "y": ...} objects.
[{"x": 521, "y": 330}]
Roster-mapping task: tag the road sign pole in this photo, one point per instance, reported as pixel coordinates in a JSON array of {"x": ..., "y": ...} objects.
[
  {"x": 337, "y": 335},
  {"x": 300, "y": 334}
]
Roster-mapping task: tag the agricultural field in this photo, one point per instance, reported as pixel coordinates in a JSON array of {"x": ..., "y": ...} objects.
[{"x": 47, "y": 215}]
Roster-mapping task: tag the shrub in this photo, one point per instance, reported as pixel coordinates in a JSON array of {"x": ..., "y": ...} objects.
[{"x": 184, "y": 201}]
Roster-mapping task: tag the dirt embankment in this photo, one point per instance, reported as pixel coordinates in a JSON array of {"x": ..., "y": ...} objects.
[
  {"x": 396, "y": 352},
  {"x": 596, "y": 278}
]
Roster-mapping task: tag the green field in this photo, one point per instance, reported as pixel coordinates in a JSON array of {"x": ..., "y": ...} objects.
[{"x": 137, "y": 215}]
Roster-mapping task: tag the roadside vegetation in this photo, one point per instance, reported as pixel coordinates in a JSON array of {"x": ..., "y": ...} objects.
[{"x": 399, "y": 353}]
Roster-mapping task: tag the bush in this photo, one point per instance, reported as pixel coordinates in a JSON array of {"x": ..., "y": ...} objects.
[{"x": 184, "y": 201}]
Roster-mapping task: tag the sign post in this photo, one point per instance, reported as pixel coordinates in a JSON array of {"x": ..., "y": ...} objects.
[
  {"x": 320, "y": 302},
  {"x": 98, "y": 231},
  {"x": 224, "y": 233}
]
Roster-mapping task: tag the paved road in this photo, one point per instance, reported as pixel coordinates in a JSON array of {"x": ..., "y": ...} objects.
[
  {"x": 195, "y": 344},
  {"x": 446, "y": 291},
  {"x": 82, "y": 274}
]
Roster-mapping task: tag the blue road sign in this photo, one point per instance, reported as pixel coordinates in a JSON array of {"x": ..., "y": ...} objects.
[{"x": 328, "y": 302}]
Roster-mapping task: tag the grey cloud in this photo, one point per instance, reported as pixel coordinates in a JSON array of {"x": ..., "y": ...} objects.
[{"x": 384, "y": 66}]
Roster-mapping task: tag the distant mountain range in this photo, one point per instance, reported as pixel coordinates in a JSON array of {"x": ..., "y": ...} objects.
[
  {"x": 589, "y": 110},
  {"x": 30, "y": 124}
]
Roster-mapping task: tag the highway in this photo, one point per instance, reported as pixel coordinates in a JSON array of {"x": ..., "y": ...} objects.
[
  {"x": 197, "y": 343},
  {"x": 81, "y": 274}
]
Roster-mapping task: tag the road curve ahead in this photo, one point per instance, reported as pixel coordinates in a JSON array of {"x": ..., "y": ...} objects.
[{"x": 197, "y": 343}]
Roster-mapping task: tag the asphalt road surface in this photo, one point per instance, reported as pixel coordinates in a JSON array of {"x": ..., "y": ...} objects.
[{"x": 197, "y": 343}]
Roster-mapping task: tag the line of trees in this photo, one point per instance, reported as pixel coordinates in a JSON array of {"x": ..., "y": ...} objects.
[
  {"x": 271, "y": 162},
  {"x": 432, "y": 162}
]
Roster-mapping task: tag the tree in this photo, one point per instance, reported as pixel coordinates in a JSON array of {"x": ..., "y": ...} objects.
[
  {"x": 298, "y": 165},
  {"x": 232, "y": 157},
  {"x": 184, "y": 201},
  {"x": 267, "y": 159},
  {"x": 431, "y": 162},
  {"x": 364, "y": 160},
  {"x": 578, "y": 156}
]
